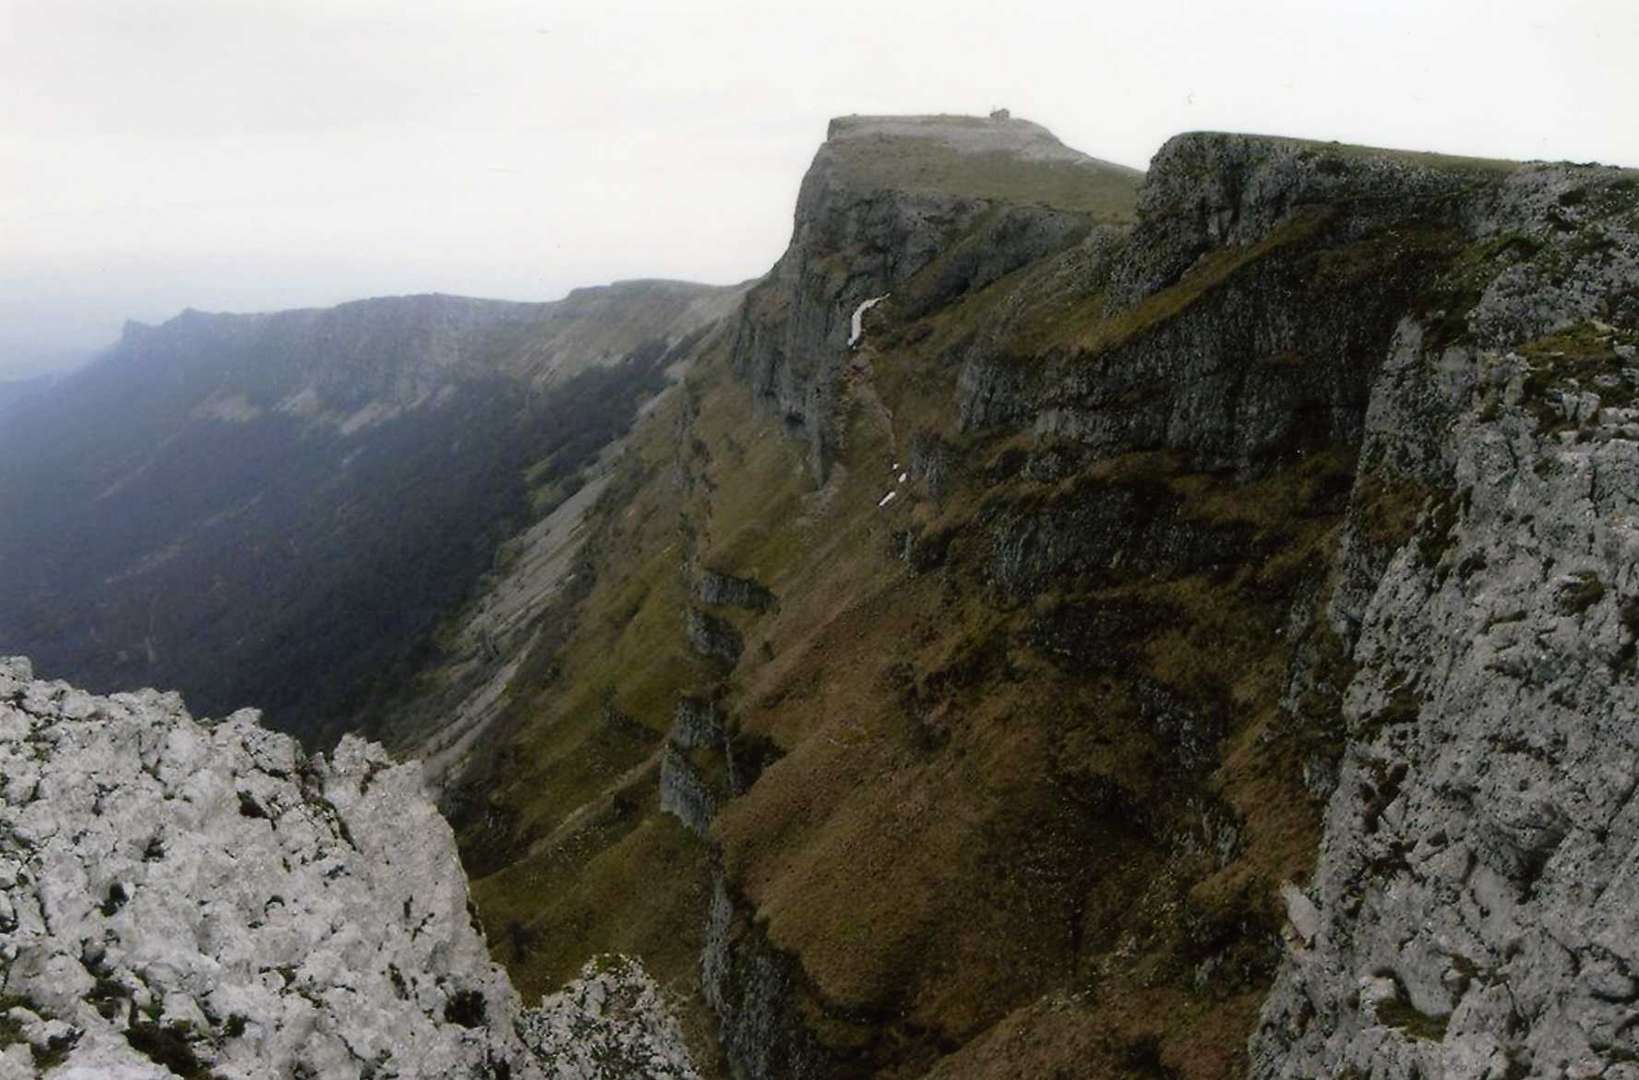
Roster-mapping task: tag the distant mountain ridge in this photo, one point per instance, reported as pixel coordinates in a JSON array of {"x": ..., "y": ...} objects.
[
  {"x": 396, "y": 352},
  {"x": 304, "y": 494}
]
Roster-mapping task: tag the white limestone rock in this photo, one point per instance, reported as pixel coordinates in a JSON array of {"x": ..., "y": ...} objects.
[
  {"x": 611, "y": 1021},
  {"x": 1478, "y": 881},
  {"x": 192, "y": 898}
]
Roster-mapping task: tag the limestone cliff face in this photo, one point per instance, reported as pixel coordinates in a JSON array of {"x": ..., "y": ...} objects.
[
  {"x": 194, "y": 898},
  {"x": 1209, "y": 190},
  {"x": 1468, "y": 916},
  {"x": 1471, "y": 327},
  {"x": 1475, "y": 897},
  {"x": 1460, "y": 336},
  {"x": 1185, "y": 636},
  {"x": 883, "y": 198},
  {"x": 1300, "y": 261}
]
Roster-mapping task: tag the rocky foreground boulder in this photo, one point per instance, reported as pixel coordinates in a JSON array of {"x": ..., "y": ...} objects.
[{"x": 199, "y": 899}]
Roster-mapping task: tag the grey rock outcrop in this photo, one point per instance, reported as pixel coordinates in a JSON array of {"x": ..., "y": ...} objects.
[
  {"x": 1212, "y": 370},
  {"x": 713, "y": 637},
  {"x": 704, "y": 763},
  {"x": 725, "y": 590},
  {"x": 755, "y": 990},
  {"x": 611, "y": 1022},
  {"x": 698, "y": 725},
  {"x": 1102, "y": 532},
  {"x": 1209, "y": 190},
  {"x": 685, "y": 793},
  {"x": 1476, "y": 893},
  {"x": 193, "y": 897}
]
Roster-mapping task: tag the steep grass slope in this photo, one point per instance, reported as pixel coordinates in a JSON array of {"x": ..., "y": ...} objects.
[{"x": 967, "y": 702}]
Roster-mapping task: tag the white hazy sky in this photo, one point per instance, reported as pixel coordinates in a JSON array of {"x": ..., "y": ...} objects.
[{"x": 258, "y": 154}]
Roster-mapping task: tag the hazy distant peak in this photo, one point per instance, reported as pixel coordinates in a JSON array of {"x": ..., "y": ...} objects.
[{"x": 638, "y": 287}]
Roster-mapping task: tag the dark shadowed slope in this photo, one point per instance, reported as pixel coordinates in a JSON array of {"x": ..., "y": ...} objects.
[{"x": 279, "y": 508}]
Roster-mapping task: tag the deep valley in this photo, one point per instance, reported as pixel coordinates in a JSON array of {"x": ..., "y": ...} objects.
[{"x": 1060, "y": 621}]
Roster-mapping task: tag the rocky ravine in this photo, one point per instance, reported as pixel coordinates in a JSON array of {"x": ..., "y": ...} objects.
[{"x": 189, "y": 898}]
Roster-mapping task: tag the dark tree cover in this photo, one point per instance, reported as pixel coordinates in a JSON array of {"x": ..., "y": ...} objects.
[{"x": 274, "y": 561}]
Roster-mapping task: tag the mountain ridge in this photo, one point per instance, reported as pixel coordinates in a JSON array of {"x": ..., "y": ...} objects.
[
  {"x": 249, "y": 462},
  {"x": 1179, "y": 626},
  {"x": 1029, "y": 762}
]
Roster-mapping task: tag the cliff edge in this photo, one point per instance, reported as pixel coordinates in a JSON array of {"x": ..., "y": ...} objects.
[
  {"x": 883, "y": 198},
  {"x": 1189, "y": 641}
]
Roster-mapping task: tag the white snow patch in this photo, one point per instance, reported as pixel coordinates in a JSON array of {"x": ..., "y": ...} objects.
[{"x": 856, "y": 328}]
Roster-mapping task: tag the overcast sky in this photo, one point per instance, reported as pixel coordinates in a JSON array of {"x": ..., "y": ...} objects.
[{"x": 258, "y": 154}]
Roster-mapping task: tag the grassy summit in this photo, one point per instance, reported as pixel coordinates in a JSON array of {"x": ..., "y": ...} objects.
[{"x": 1008, "y": 160}]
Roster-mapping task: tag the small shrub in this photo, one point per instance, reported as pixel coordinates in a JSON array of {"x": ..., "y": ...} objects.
[
  {"x": 1584, "y": 593},
  {"x": 1419, "y": 1025},
  {"x": 466, "y": 1008},
  {"x": 168, "y": 1045}
]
